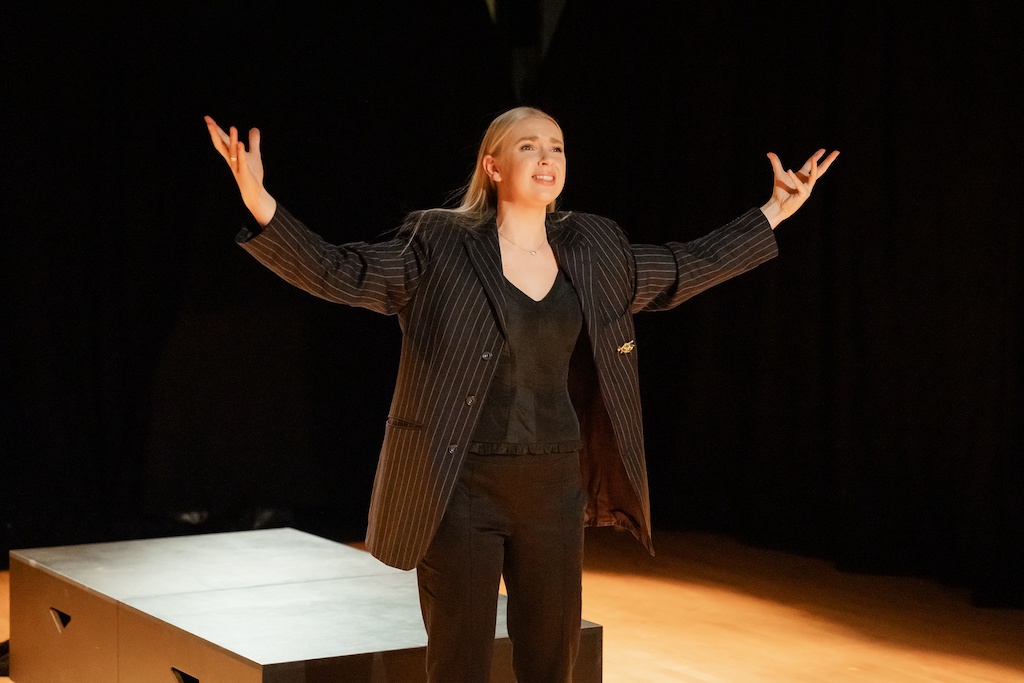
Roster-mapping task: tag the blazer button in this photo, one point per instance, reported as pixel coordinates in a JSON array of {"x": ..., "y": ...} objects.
[
  {"x": 486, "y": 355},
  {"x": 470, "y": 400},
  {"x": 453, "y": 447}
]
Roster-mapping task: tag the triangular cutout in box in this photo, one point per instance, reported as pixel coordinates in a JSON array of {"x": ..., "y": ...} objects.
[
  {"x": 183, "y": 677},
  {"x": 60, "y": 619}
]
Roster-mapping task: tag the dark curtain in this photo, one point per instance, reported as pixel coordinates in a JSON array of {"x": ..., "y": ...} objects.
[{"x": 858, "y": 399}]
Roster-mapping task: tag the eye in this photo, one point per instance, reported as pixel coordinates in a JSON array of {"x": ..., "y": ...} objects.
[
  {"x": 557, "y": 150},
  {"x": 526, "y": 147}
]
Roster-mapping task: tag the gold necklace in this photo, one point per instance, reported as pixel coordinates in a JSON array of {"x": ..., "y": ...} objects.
[{"x": 531, "y": 252}]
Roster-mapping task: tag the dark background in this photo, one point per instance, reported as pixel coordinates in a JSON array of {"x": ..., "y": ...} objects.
[{"x": 858, "y": 399}]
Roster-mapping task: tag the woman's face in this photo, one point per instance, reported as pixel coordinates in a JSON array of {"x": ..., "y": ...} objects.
[{"x": 530, "y": 168}]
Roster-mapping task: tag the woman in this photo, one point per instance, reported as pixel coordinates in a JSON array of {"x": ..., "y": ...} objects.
[{"x": 516, "y": 415}]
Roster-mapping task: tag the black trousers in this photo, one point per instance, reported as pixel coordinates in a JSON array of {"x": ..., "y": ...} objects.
[{"x": 520, "y": 516}]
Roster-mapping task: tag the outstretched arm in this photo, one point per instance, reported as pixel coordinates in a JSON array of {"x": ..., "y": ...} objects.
[
  {"x": 791, "y": 189},
  {"x": 246, "y": 166}
]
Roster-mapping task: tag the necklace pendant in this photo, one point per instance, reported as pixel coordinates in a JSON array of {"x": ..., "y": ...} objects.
[{"x": 531, "y": 252}]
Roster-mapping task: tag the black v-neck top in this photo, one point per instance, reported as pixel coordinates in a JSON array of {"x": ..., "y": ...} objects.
[{"x": 528, "y": 409}]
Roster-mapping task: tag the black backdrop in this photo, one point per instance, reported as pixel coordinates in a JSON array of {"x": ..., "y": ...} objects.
[{"x": 858, "y": 398}]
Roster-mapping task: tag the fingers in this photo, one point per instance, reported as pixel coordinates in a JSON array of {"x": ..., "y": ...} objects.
[
  {"x": 230, "y": 147},
  {"x": 786, "y": 177},
  {"x": 236, "y": 151},
  {"x": 803, "y": 189},
  {"x": 790, "y": 179},
  {"x": 254, "y": 142},
  {"x": 823, "y": 166},
  {"x": 217, "y": 136},
  {"x": 815, "y": 161},
  {"x": 792, "y": 188},
  {"x": 806, "y": 168},
  {"x": 227, "y": 144}
]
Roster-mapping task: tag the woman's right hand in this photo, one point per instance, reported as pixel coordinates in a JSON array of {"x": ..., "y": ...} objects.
[{"x": 246, "y": 167}]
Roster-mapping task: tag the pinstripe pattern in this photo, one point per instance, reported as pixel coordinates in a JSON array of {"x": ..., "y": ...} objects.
[{"x": 445, "y": 286}]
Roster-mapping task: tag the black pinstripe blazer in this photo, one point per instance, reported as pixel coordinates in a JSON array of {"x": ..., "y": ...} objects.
[{"x": 444, "y": 282}]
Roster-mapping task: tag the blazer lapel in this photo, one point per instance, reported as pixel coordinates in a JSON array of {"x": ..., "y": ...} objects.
[
  {"x": 485, "y": 255},
  {"x": 573, "y": 256}
]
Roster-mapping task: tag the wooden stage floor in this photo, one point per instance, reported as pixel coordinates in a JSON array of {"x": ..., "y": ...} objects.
[{"x": 708, "y": 609}]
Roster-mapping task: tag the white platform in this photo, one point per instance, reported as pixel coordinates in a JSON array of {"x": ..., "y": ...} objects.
[{"x": 271, "y": 606}]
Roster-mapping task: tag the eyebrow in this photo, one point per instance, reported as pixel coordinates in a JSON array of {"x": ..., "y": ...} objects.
[{"x": 534, "y": 137}]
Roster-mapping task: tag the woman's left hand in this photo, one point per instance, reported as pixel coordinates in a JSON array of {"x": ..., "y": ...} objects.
[{"x": 791, "y": 188}]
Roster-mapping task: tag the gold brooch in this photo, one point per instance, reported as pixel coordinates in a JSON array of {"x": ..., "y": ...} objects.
[{"x": 628, "y": 346}]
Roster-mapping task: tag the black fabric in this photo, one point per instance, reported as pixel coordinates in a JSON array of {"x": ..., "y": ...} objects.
[
  {"x": 527, "y": 408},
  {"x": 521, "y": 517}
]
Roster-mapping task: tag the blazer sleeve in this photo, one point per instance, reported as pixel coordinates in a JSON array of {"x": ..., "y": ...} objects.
[
  {"x": 381, "y": 277},
  {"x": 666, "y": 276}
]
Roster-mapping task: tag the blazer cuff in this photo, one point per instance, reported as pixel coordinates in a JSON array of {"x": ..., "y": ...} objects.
[{"x": 250, "y": 228}]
